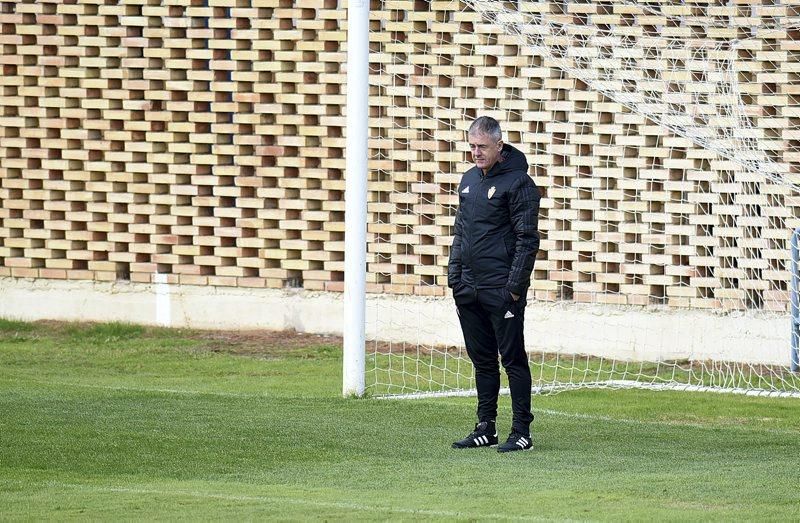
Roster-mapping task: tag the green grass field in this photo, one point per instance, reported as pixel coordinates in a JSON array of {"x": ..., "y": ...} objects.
[{"x": 129, "y": 423}]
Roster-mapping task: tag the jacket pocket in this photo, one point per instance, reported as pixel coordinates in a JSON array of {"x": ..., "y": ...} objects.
[
  {"x": 463, "y": 294},
  {"x": 498, "y": 300}
]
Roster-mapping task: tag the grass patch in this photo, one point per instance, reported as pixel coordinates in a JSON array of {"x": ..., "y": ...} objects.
[
  {"x": 12, "y": 326},
  {"x": 146, "y": 423},
  {"x": 15, "y": 331},
  {"x": 105, "y": 332}
]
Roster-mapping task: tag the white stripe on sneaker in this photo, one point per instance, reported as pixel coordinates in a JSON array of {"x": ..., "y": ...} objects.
[
  {"x": 522, "y": 442},
  {"x": 481, "y": 440}
]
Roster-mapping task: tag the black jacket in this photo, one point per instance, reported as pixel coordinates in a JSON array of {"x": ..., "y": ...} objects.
[{"x": 496, "y": 237}]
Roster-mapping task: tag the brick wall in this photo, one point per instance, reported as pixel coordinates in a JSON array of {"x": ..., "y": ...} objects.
[{"x": 207, "y": 143}]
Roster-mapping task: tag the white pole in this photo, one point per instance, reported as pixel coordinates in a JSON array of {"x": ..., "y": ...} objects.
[
  {"x": 355, "y": 256},
  {"x": 163, "y": 305}
]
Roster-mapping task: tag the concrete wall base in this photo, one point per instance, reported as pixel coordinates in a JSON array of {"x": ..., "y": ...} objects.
[{"x": 625, "y": 333}]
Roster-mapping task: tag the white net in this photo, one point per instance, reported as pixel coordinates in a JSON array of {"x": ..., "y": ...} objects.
[{"x": 664, "y": 140}]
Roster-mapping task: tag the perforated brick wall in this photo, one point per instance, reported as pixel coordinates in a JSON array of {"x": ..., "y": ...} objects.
[{"x": 206, "y": 142}]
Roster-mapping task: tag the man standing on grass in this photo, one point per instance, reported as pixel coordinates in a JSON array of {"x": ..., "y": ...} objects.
[{"x": 491, "y": 260}]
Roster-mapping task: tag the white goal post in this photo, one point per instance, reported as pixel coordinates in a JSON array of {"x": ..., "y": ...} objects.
[
  {"x": 356, "y": 197},
  {"x": 666, "y": 141}
]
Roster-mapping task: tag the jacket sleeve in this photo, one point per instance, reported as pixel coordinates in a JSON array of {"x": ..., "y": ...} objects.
[
  {"x": 454, "y": 263},
  {"x": 524, "y": 212}
]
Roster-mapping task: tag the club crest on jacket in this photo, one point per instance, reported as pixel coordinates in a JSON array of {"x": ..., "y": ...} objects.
[{"x": 491, "y": 191}]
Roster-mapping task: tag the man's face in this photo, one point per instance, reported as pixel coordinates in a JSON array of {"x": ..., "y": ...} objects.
[{"x": 485, "y": 150}]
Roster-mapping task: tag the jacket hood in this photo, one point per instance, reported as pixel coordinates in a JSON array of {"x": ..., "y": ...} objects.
[{"x": 511, "y": 159}]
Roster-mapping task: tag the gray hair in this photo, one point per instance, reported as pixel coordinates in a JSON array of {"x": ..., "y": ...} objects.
[{"x": 488, "y": 126}]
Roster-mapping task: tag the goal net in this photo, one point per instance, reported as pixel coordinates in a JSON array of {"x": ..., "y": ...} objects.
[{"x": 664, "y": 140}]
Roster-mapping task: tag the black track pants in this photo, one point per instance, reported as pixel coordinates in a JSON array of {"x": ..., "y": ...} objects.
[{"x": 492, "y": 324}]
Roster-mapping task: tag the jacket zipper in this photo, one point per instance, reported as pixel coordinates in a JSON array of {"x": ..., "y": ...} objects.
[{"x": 471, "y": 236}]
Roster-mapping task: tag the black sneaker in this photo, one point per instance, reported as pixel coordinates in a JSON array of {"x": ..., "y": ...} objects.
[
  {"x": 484, "y": 435},
  {"x": 516, "y": 441}
]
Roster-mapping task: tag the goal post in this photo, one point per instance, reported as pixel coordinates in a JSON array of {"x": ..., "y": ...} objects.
[
  {"x": 666, "y": 143},
  {"x": 356, "y": 196},
  {"x": 795, "y": 323}
]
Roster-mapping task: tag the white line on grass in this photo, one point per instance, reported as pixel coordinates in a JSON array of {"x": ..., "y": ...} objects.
[{"x": 293, "y": 501}]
